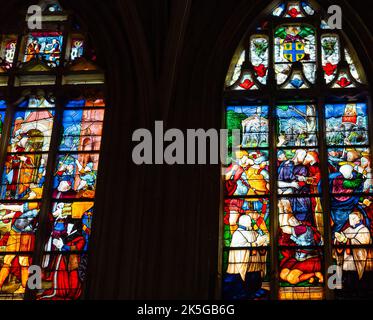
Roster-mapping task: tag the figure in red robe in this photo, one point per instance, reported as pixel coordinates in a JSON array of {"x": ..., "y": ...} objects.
[
  {"x": 64, "y": 267},
  {"x": 303, "y": 263}
]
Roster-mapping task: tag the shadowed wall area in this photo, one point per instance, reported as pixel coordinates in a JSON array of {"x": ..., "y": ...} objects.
[{"x": 156, "y": 228}]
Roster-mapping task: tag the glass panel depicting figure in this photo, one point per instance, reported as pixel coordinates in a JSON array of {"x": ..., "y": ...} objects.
[
  {"x": 256, "y": 210},
  {"x": 65, "y": 260},
  {"x": 64, "y": 272},
  {"x": 296, "y": 125},
  {"x": 248, "y": 175},
  {"x": 356, "y": 272},
  {"x": 259, "y": 55},
  {"x": 346, "y": 124},
  {"x": 301, "y": 274},
  {"x": 349, "y": 172},
  {"x": 18, "y": 222},
  {"x": 352, "y": 222},
  {"x": 14, "y": 275},
  {"x": 352, "y": 238},
  {"x": 8, "y": 50},
  {"x": 75, "y": 176},
  {"x": 300, "y": 221},
  {"x": 31, "y": 131},
  {"x": 298, "y": 172},
  {"x": 44, "y": 45},
  {"x": 82, "y": 130}
]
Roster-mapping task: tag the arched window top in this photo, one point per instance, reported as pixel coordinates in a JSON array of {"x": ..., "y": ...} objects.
[
  {"x": 295, "y": 45},
  {"x": 52, "y": 109}
]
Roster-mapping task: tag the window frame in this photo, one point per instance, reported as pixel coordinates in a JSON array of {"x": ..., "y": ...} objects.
[{"x": 272, "y": 95}]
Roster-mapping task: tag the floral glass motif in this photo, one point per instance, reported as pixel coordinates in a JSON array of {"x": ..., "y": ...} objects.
[
  {"x": 298, "y": 174},
  {"x": 350, "y": 170},
  {"x": 301, "y": 276},
  {"x": 26, "y": 160},
  {"x": 75, "y": 176}
]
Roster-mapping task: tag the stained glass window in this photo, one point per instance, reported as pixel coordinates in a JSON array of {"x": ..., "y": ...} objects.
[
  {"x": 298, "y": 192},
  {"x": 51, "y": 137}
]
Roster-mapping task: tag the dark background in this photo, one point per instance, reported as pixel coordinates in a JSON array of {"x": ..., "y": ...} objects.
[{"x": 156, "y": 228}]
